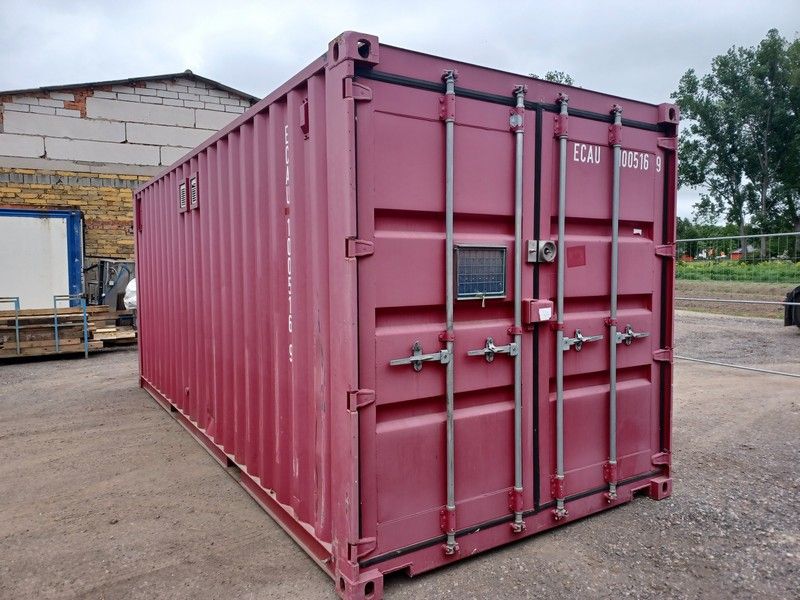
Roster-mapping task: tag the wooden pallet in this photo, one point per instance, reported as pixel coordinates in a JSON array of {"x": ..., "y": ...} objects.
[{"x": 37, "y": 337}]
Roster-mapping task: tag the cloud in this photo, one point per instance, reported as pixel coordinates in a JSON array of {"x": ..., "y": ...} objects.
[
  {"x": 687, "y": 198},
  {"x": 634, "y": 49}
]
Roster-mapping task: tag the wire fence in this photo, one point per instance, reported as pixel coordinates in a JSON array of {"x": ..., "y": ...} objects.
[
  {"x": 740, "y": 276},
  {"x": 746, "y": 276}
]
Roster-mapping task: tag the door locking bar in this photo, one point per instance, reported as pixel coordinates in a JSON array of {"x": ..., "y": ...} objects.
[
  {"x": 417, "y": 358},
  {"x": 579, "y": 340},
  {"x": 626, "y": 337},
  {"x": 489, "y": 350},
  {"x": 614, "y": 140}
]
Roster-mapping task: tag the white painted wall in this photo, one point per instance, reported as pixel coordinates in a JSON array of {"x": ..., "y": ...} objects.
[
  {"x": 33, "y": 260},
  {"x": 140, "y": 128}
]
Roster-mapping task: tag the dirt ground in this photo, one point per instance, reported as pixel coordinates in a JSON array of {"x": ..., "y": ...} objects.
[
  {"x": 103, "y": 495},
  {"x": 741, "y": 290}
]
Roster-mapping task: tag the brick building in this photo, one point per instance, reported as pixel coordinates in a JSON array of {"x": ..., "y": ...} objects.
[{"x": 85, "y": 146}]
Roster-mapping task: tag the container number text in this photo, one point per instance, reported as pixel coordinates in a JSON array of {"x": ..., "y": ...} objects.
[
  {"x": 288, "y": 234},
  {"x": 630, "y": 159}
]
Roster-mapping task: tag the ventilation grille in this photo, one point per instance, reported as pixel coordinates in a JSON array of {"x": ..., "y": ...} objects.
[
  {"x": 182, "y": 197},
  {"x": 480, "y": 272},
  {"x": 194, "y": 200}
]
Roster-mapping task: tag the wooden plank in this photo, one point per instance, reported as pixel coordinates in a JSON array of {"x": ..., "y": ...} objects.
[
  {"x": 43, "y": 335},
  {"x": 90, "y": 325},
  {"x": 101, "y": 320},
  {"x": 44, "y": 321},
  {"x": 65, "y": 349},
  {"x": 31, "y": 312},
  {"x": 11, "y": 345},
  {"x": 117, "y": 335}
]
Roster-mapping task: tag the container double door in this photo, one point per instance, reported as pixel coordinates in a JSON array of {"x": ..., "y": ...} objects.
[{"x": 401, "y": 303}]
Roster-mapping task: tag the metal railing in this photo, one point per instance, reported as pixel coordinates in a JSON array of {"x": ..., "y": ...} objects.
[
  {"x": 742, "y": 367},
  {"x": 15, "y": 301},
  {"x": 56, "y": 326},
  {"x": 66, "y": 297}
]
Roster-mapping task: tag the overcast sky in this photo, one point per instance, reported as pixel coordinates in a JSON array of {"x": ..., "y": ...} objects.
[{"x": 636, "y": 48}]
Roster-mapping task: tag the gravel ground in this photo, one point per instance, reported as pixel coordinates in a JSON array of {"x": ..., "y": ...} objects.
[
  {"x": 733, "y": 290},
  {"x": 755, "y": 342},
  {"x": 103, "y": 495}
]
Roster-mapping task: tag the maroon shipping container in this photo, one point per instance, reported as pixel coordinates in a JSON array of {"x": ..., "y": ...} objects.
[{"x": 425, "y": 307}]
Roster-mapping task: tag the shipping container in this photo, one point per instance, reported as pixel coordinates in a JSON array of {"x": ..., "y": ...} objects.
[{"x": 422, "y": 307}]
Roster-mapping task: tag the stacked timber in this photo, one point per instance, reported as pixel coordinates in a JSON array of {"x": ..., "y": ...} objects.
[{"x": 37, "y": 330}]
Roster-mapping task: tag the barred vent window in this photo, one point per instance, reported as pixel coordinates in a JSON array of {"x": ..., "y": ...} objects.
[{"x": 480, "y": 272}]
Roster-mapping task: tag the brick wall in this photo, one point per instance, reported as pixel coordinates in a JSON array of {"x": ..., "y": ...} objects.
[
  {"x": 86, "y": 147},
  {"x": 105, "y": 200}
]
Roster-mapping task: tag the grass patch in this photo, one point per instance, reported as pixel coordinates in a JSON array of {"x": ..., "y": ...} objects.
[{"x": 774, "y": 271}]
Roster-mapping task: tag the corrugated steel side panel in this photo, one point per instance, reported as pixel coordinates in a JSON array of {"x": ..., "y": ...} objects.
[{"x": 235, "y": 293}]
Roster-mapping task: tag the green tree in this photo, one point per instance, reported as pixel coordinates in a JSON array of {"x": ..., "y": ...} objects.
[
  {"x": 556, "y": 77},
  {"x": 688, "y": 229},
  {"x": 741, "y": 133},
  {"x": 789, "y": 173}
]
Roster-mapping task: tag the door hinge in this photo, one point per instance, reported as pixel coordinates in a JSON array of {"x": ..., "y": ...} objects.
[
  {"x": 668, "y": 143},
  {"x": 666, "y": 250},
  {"x": 304, "y": 118},
  {"x": 138, "y": 213},
  {"x": 356, "y": 248},
  {"x": 662, "y": 458},
  {"x": 357, "y": 399},
  {"x": 356, "y": 91},
  {"x": 361, "y": 548},
  {"x": 663, "y": 355}
]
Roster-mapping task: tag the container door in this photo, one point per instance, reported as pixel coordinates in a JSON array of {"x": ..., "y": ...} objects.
[
  {"x": 401, "y": 210},
  {"x": 587, "y": 303}
]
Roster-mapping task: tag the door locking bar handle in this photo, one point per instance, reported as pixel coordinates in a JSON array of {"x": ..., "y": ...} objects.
[
  {"x": 417, "y": 358},
  {"x": 626, "y": 337},
  {"x": 579, "y": 340},
  {"x": 489, "y": 350}
]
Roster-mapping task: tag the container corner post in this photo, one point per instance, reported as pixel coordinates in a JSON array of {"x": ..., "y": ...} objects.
[{"x": 362, "y": 48}]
